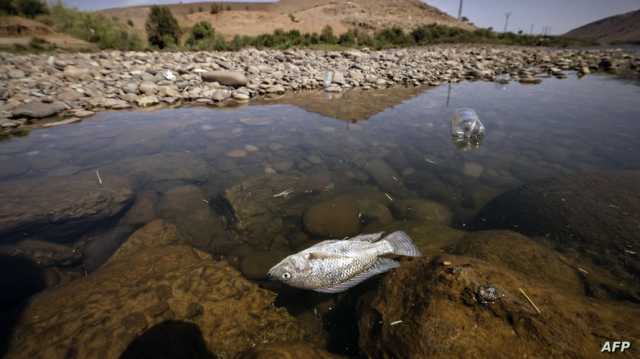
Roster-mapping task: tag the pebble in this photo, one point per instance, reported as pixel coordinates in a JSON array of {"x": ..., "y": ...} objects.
[
  {"x": 120, "y": 80},
  {"x": 237, "y": 153}
]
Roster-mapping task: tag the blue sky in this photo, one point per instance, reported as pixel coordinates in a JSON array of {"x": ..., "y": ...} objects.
[{"x": 559, "y": 15}]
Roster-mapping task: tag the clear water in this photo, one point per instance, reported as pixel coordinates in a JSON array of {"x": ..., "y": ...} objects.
[{"x": 558, "y": 127}]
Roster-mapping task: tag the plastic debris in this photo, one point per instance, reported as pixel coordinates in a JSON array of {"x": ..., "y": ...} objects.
[
  {"x": 168, "y": 75},
  {"x": 487, "y": 294},
  {"x": 466, "y": 129},
  {"x": 328, "y": 78}
]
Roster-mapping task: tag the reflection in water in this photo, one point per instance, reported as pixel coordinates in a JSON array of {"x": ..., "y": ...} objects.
[{"x": 256, "y": 183}]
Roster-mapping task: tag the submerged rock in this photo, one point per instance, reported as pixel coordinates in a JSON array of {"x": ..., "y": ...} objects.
[
  {"x": 171, "y": 166},
  {"x": 595, "y": 214},
  {"x": 188, "y": 208},
  {"x": 421, "y": 210},
  {"x": 148, "y": 281},
  {"x": 61, "y": 208},
  {"x": 335, "y": 218},
  {"x": 261, "y": 205}
]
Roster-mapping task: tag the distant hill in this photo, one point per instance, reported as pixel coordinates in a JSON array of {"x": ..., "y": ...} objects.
[
  {"x": 303, "y": 15},
  {"x": 623, "y": 28}
]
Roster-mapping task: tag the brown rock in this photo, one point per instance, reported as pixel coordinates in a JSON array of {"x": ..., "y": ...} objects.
[
  {"x": 286, "y": 351},
  {"x": 472, "y": 309},
  {"x": 144, "y": 284},
  {"x": 335, "y": 218},
  {"x": 595, "y": 214}
]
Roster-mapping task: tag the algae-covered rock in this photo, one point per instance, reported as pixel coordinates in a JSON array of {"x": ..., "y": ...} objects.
[
  {"x": 460, "y": 307},
  {"x": 261, "y": 206},
  {"x": 334, "y": 218},
  {"x": 521, "y": 254},
  {"x": 286, "y": 351},
  {"x": 595, "y": 214},
  {"x": 61, "y": 208},
  {"x": 421, "y": 210},
  {"x": 148, "y": 281},
  {"x": 188, "y": 208}
]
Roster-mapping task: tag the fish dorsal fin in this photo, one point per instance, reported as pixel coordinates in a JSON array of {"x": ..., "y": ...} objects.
[
  {"x": 324, "y": 243},
  {"x": 372, "y": 237},
  {"x": 380, "y": 266}
]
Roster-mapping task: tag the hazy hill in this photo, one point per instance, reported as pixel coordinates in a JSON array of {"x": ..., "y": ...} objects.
[
  {"x": 302, "y": 15},
  {"x": 617, "y": 29}
]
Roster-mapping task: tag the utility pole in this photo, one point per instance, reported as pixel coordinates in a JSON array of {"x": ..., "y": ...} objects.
[
  {"x": 460, "y": 10},
  {"x": 506, "y": 20}
]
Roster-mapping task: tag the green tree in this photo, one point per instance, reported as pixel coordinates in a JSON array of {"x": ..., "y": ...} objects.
[
  {"x": 162, "y": 28},
  {"x": 327, "y": 35}
]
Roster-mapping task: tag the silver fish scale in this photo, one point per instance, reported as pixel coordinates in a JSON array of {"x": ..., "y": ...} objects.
[{"x": 354, "y": 257}]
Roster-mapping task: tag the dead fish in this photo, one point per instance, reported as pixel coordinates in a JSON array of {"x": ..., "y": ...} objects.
[{"x": 333, "y": 266}]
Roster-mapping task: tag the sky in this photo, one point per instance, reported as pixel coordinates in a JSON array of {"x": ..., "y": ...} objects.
[{"x": 559, "y": 15}]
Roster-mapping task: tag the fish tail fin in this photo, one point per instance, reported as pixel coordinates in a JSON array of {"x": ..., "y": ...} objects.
[{"x": 402, "y": 244}]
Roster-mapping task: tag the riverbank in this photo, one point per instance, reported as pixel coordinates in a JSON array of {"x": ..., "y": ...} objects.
[{"x": 36, "y": 88}]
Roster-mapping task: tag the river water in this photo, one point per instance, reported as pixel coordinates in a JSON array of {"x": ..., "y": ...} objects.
[{"x": 249, "y": 174}]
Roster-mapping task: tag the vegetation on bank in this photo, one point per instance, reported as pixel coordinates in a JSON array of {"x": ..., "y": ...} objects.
[
  {"x": 26, "y": 8},
  {"x": 164, "y": 32}
]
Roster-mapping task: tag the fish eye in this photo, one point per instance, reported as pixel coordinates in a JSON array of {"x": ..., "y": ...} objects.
[{"x": 286, "y": 276}]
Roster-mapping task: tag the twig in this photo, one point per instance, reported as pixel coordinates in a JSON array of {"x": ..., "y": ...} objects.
[
  {"x": 530, "y": 301},
  {"x": 388, "y": 196},
  {"x": 396, "y": 323},
  {"x": 99, "y": 178}
]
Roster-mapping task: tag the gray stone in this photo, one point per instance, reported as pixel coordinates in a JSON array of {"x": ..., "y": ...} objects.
[
  {"x": 38, "y": 109},
  {"x": 228, "y": 78}
]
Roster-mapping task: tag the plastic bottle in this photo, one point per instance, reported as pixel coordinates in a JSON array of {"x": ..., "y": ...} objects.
[{"x": 466, "y": 124}]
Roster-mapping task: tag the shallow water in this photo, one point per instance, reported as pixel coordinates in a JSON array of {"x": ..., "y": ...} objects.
[{"x": 394, "y": 143}]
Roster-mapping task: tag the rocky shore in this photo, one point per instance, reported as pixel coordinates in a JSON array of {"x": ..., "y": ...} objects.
[{"x": 68, "y": 86}]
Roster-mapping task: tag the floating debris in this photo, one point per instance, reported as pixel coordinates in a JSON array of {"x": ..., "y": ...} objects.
[
  {"x": 205, "y": 201},
  {"x": 284, "y": 193},
  {"x": 430, "y": 161},
  {"x": 99, "y": 178},
  {"x": 582, "y": 270},
  {"x": 530, "y": 301},
  {"x": 487, "y": 294},
  {"x": 395, "y": 323}
]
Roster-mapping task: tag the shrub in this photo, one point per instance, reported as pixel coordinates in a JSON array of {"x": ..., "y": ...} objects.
[
  {"x": 162, "y": 28},
  {"x": 327, "y": 35},
  {"x": 28, "y": 8},
  {"x": 103, "y": 31}
]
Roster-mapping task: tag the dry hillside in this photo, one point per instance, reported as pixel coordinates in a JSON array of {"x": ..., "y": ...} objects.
[
  {"x": 20, "y": 31},
  {"x": 619, "y": 28},
  {"x": 302, "y": 15}
]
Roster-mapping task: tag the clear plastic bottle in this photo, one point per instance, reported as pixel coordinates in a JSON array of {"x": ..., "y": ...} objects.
[{"x": 465, "y": 124}]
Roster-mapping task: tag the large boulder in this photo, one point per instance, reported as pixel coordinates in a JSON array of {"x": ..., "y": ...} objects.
[
  {"x": 228, "y": 78},
  {"x": 148, "y": 281},
  {"x": 460, "y": 307},
  {"x": 37, "y": 109},
  {"x": 594, "y": 214},
  {"x": 61, "y": 208}
]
